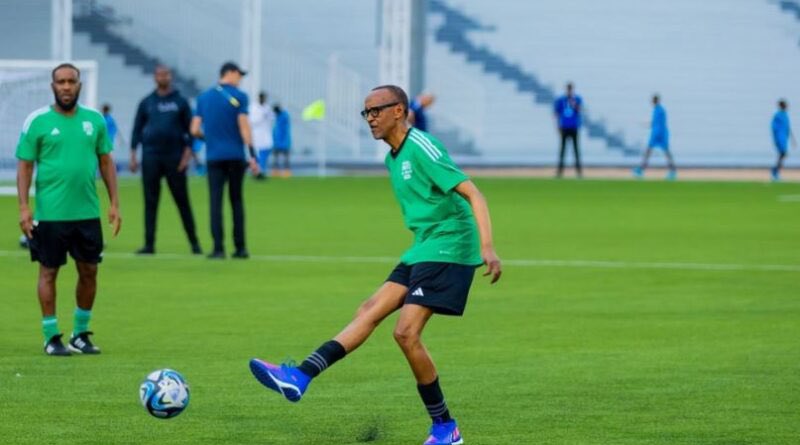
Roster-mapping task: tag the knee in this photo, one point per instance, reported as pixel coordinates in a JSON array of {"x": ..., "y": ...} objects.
[
  {"x": 365, "y": 307},
  {"x": 87, "y": 271},
  {"x": 48, "y": 276},
  {"x": 405, "y": 337}
]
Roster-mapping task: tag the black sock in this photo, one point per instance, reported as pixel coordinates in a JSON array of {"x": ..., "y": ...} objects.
[
  {"x": 329, "y": 353},
  {"x": 434, "y": 402}
]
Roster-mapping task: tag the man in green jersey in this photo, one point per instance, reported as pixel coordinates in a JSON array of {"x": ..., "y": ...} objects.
[
  {"x": 67, "y": 143},
  {"x": 452, "y": 236}
]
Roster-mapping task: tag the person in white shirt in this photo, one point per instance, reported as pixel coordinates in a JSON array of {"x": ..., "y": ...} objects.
[{"x": 262, "y": 119}]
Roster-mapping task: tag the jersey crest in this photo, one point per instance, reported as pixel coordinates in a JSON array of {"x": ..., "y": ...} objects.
[
  {"x": 406, "y": 170},
  {"x": 88, "y": 128}
]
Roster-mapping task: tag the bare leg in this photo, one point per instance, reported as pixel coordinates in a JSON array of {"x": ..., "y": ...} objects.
[
  {"x": 387, "y": 299},
  {"x": 87, "y": 285},
  {"x": 408, "y": 333},
  {"x": 46, "y": 290}
]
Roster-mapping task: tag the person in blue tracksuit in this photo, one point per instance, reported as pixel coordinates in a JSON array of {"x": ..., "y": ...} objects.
[
  {"x": 781, "y": 134},
  {"x": 282, "y": 140},
  {"x": 659, "y": 139}
]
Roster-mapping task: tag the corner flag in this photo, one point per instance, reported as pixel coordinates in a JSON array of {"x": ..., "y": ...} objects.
[{"x": 315, "y": 111}]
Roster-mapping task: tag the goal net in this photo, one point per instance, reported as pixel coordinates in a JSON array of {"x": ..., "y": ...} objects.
[{"x": 25, "y": 87}]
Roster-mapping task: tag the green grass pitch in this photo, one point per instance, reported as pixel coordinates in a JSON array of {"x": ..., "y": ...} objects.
[{"x": 628, "y": 313}]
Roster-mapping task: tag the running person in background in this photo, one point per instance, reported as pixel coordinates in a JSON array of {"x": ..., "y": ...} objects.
[
  {"x": 262, "y": 119},
  {"x": 67, "y": 143},
  {"x": 450, "y": 220},
  {"x": 781, "y": 133},
  {"x": 282, "y": 142},
  {"x": 659, "y": 138}
]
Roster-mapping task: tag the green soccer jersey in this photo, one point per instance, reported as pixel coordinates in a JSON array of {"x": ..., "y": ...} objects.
[
  {"x": 65, "y": 150},
  {"x": 423, "y": 178}
]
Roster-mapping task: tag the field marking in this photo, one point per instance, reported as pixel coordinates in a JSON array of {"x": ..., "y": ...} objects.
[
  {"x": 586, "y": 264},
  {"x": 788, "y": 198}
]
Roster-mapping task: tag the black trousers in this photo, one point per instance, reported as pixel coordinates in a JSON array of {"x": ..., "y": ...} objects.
[
  {"x": 569, "y": 133},
  {"x": 153, "y": 169},
  {"x": 219, "y": 173}
]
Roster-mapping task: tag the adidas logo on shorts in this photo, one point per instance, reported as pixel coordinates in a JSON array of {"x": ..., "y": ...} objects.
[{"x": 418, "y": 292}]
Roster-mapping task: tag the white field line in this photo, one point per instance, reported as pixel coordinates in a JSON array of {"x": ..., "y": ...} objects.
[
  {"x": 789, "y": 198},
  {"x": 577, "y": 264}
]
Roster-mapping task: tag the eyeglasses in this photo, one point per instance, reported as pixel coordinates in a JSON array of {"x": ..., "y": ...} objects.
[{"x": 376, "y": 111}]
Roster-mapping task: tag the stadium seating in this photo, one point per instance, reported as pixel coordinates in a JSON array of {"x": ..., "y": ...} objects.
[
  {"x": 495, "y": 71},
  {"x": 719, "y": 70}
]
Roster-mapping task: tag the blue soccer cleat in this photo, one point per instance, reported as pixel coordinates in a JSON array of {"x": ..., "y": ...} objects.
[
  {"x": 638, "y": 172},
  {"x": 672, "y": 175},
  {"x": 444, "y": 433},
  {"x": 773, "y": 172},
  {"x": 286, "y": 380}
]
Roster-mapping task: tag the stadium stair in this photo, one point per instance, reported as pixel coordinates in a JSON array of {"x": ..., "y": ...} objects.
[
  {"x": 95, "y": 21},
  {"x": 453, "y": 33},
  {"x": 790, "y": 7}
]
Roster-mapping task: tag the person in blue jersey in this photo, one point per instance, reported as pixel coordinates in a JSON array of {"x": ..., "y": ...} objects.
[
  {"x": 659, "y": 138},
  {"x": 567, "y": 110},
  {"x": 111, "y": 124},
  {"x": 161, "y": 128},
  {"x": 417, "y": 111},
  {"x": 781, "y": 134},
  {"x": 282, "y": 142},
  {"x": 221, "y": 120}
]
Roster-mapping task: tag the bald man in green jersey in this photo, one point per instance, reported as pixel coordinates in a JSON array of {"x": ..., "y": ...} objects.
[{"x": 452, "y": 236}]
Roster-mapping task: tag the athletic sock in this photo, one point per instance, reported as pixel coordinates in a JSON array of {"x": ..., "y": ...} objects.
[
  {"x": 49, "y": 327},
  {"x": 326, "y": 355},
  {"x": 434, "y": 402},
  {"x": 82, "y": 317}
]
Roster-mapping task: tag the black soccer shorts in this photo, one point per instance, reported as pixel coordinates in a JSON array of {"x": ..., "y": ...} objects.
[
  {"x": 52, "y": 240},
  {"x": 442, "y": 287}
]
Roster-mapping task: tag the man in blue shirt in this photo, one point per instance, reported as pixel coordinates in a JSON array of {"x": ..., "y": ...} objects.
[
  {"x": 221, "y": 120},
  {"x": 781, "y": 133},
  {"x": 567, "y": 110},
  {"x": 659, "y": 138}
]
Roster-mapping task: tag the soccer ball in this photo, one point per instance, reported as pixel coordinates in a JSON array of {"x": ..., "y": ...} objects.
[{"x": 164, "y": 393}]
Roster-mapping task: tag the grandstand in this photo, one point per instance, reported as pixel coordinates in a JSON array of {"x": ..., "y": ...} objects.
[{"x": 494, "y": 70}]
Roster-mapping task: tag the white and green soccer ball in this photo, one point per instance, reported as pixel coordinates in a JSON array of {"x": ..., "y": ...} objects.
[{"x": 164, "y": 393}]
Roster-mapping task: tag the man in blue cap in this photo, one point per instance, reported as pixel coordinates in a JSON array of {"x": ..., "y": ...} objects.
[{"x": 221, "y": 120}]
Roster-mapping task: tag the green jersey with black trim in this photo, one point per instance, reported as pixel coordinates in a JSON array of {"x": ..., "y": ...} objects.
[
  {"x": 65, "y": 150},
  {"x": 424, "y": 179}
]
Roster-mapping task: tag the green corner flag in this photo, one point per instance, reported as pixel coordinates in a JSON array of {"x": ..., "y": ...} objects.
[{"x": 315, "y": 111}]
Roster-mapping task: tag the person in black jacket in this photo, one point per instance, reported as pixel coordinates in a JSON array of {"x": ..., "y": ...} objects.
[{"x": 161, "y": 127}]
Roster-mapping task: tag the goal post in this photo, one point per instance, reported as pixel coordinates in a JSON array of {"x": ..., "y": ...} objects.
[{"x": 25, "y": 87}]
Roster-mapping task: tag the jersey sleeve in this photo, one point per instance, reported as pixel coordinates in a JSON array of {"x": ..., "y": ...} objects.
[
  {"x": 200, "y": 107},
  {"x": 103, "y": 145},
  {"x": 28, "y": 146},
  {"x": 436, "y": 164},
  {"x": 245, "y": 103}
]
